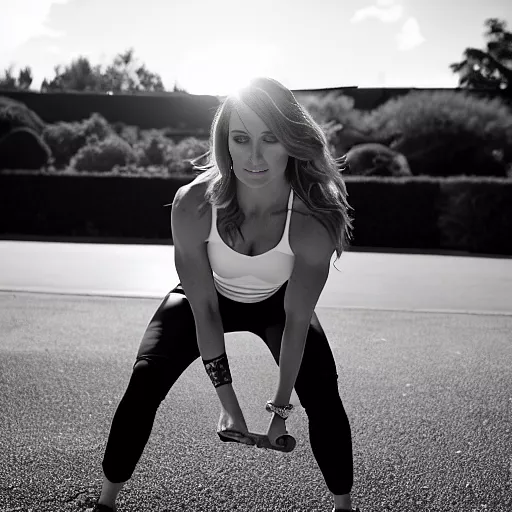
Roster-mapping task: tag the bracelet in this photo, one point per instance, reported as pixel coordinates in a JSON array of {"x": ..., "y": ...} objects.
[
  {"x": 281, "y": 410},
  {"x": 218, "y": 370}
]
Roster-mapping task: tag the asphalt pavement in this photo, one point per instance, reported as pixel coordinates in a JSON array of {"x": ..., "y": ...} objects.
[
  {"x": 367, "y": 280},
  {"x": 424, "y": 376}
]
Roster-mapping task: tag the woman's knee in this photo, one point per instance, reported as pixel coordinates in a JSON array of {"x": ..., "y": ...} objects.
[
  {"x": 319, "y": 395},
  {"x": 147, "y": 383}
]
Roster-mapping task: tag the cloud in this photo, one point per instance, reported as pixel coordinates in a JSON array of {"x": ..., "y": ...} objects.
[
  {"x": 386, "y": 11},
  {"x": 410, "y": 36},
  {"x": 22, "y": 20}
]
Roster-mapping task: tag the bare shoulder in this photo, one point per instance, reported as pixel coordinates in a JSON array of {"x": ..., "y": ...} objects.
[
  {"x": 191, "y": 194},
  {"x": 187, "y": 201},
  {"x": 309, "y": 237}
]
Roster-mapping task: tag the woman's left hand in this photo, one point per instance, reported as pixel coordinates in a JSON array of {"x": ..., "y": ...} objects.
[{"x": 276, "y": 428}]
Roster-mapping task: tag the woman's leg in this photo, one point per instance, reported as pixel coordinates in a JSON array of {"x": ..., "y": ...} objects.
[
  {"x": 168, "y": 347},
  {"x": 317, "y": 389}
]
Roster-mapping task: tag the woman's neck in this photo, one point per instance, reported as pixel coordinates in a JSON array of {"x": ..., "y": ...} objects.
[{"x": 257, "y": 203}]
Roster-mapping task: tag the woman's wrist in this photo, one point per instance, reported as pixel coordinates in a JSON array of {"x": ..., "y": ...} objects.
[
  {"x": 282, "y": 411},
  {"x": 228, "y": 399},
  {"x": 218, "y": 370},
  {"x": 282, "y": 398}
]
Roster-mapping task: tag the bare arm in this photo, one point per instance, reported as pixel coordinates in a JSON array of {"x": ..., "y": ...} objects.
[
  {"x": 195, "y": 273},
  {"x": 310, "y": 272}
]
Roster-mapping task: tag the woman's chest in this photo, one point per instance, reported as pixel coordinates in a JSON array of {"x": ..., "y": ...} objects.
[{"x": 261, "y": 235}]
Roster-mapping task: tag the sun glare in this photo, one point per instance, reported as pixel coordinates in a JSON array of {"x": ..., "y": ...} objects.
[{"x": 225, "y": 68}]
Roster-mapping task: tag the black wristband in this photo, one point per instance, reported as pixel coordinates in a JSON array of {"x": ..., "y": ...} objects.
[{"x": 218, "y": 370}]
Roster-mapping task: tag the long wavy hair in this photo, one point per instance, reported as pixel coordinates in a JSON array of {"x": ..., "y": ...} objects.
[{"x": 312, "y": 171}]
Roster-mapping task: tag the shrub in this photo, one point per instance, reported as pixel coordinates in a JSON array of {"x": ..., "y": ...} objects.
[
  {"x": 344, "y": 126},
  {"x": 333, "y": 112},
  {"x": 448, "y": 133},
  {"x": 331, "y": 106},
  {"x": 130, "y": 134},
  {"x": 103, "y": 155},
  {"x": 15, "y": 114},
  {"x": 135, "y": 171},
  {"x": 96, "y": 125},
  {"x": 64, "y": 140},
  {"x": 185, "y": 151},
  {"x": 476, "y": 215},
  {"x": 177, "y": 133},
  {"x": 376, "y": 160},
  {"x": 154, "y": 148},
  {"x": 23, "y": 148},
  {"x": 394, "y": 211}
]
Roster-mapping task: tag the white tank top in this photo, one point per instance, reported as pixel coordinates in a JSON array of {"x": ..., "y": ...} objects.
[{"x": 250, "y": 278}]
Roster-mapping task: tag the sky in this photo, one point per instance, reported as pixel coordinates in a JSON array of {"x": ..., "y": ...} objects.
[{"x": 214, "y": 47}]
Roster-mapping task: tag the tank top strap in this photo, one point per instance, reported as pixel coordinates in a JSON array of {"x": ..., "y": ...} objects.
[
  {"x": 290, "y": 199},
  {"x": 288, "y": 213}
]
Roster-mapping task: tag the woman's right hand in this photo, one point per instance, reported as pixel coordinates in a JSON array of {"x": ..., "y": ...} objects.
[
  {"x": 230, "y": 420},
  {"x": 231, "y": 416}
]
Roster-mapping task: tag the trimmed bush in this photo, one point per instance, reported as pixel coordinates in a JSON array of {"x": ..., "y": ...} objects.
[
  {"x": 129, "y": 133},
  {"x": 394, "y": 212},
  {"x": 331, "y": 106},
  {"x": 23, "y": 148},
  {"x": 96, "y": 125},
  {"x": 461, "y": 214},
  {"x": 448, "y": 133},
  {"x": 103, "y": 155},
  {"x": 66, "y": 139},
  {"x": 127, "y": 147},
  {"x": 344, "y": 126},
  {"x": 86, "y": 205},
  {"x": 185, "y": 151},
  {"x": 15, "y": 114},
  {"x": 332, "y": 111},
  {"x": 476, "y": 215},
  {"x": 376, "y": 160},
  {"x": 153, "y": 148}
]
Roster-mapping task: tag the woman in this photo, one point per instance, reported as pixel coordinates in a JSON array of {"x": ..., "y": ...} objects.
[{"x": 254, "y": 234}]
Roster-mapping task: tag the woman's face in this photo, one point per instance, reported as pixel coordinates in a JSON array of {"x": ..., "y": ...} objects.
[{"x": 254, "y": 148}]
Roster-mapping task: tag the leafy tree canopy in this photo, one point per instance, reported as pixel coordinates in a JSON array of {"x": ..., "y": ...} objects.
[
  {"x": 490, "y": 68},
  {"x": 123, "y": 75}
]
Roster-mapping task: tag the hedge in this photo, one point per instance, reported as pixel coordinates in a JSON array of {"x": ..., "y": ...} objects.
[{"x": 458, "y": 213}]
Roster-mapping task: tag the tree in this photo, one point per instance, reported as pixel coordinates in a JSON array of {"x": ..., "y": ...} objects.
[
  {"x": 124, "y": 75},
  {"x": 491, "y": 68},
  {"x": 177, "y": 88},
  {"x": 23, "y": 82},
  {"x": 79, "y": 76}
]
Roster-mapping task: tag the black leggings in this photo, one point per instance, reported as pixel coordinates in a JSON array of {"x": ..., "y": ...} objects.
[{"x": 169, "y": 346}]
